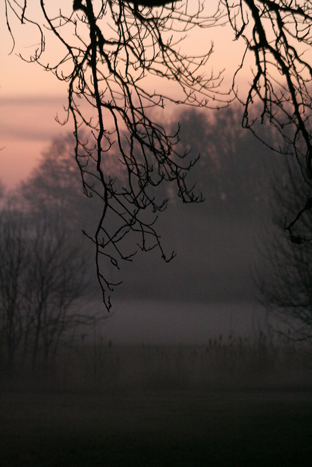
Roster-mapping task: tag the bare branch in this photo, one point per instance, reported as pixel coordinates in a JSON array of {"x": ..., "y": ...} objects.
[{"x": 124, "y": 155}]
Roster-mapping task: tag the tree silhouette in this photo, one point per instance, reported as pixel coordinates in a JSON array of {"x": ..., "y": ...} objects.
[
  {"x": 278, "y": 38},
  {"x": 55, "y": 185},
  {"x": 14, "y": 257},
  {"x": 284, "y": 272},
  {"x": 43, "y": 282},
  {"x": 107, "y": 50}
]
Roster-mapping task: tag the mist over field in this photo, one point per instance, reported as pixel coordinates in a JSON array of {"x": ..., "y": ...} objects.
[
  {"x": 185, "y": 370},
  {"x": 161, "y": 322},
  {"x": 207, "y": 289}
]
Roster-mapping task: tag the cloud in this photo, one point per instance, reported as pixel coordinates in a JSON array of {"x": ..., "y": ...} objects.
[
  {"x": 30, "y": 119},
  {"x": 21, "y": 101}
]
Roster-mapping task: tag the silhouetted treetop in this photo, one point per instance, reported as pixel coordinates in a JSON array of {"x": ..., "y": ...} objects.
[
  {"x": 278, "y": 38},
  {"x": 104, "y": 52}
]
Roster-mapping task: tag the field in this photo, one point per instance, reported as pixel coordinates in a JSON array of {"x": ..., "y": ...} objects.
[
  {"x": 156, "y": 429},
  {"x": 225, "y": 404}
]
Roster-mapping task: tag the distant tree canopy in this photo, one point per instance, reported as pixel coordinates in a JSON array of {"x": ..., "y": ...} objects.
[
  {"x": 231, "y": 175},
  {"x": 43, "y": 280},
  {"x": 283, "y": 272},
  {"x": 231, "y": 169},
  {"x": 106, "y": 49},
  {"x": 2, "y": 189},
  {"x": 55, "y": 185}
]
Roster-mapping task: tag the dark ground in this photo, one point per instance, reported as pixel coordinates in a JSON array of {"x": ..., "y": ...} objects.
[{"x": 167, "y": 427}]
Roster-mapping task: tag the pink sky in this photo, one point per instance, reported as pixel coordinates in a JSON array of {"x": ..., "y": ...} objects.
[{"x": 30, "y": 99}]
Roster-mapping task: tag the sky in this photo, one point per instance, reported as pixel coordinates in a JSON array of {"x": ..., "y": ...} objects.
[{"x": 30, "y": 98}]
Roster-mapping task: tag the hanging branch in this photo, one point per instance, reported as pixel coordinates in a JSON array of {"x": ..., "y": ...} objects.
[
  {"x": 109, "y": 47},
  {"x": 278, "y": 35}
]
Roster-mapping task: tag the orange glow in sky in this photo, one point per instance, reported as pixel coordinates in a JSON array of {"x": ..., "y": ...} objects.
[{"x": 30, "y": 98}]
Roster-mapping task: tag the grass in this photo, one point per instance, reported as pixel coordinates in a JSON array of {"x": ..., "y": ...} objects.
[
  {"x": 233, "y": 402},
  {"x": 232, "y": 363},
  {"x": 156, "y": 429}
]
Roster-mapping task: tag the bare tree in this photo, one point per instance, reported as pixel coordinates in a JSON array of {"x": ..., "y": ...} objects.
[
  {"x": 284, "y": 273},
  {"x": 43, "y": 281},
  {"x": 107, "y": 50},
  {"x": 14, "y": 260},
  {"x": 56, "y": 284},
  {"x": 278, "y": 38},
  {"x": 55, "y": 186}
]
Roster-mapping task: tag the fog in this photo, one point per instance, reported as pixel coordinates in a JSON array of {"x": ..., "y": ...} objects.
[
  {"x": 185, "y": 369},
  {"x": 206, "y": 291},
  {"x": 157, "y": 322}
]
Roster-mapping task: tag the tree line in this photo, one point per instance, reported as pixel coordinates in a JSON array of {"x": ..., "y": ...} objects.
[
  {"x": 45, "y": 273},
  {"x": 46, "y": 262}
]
